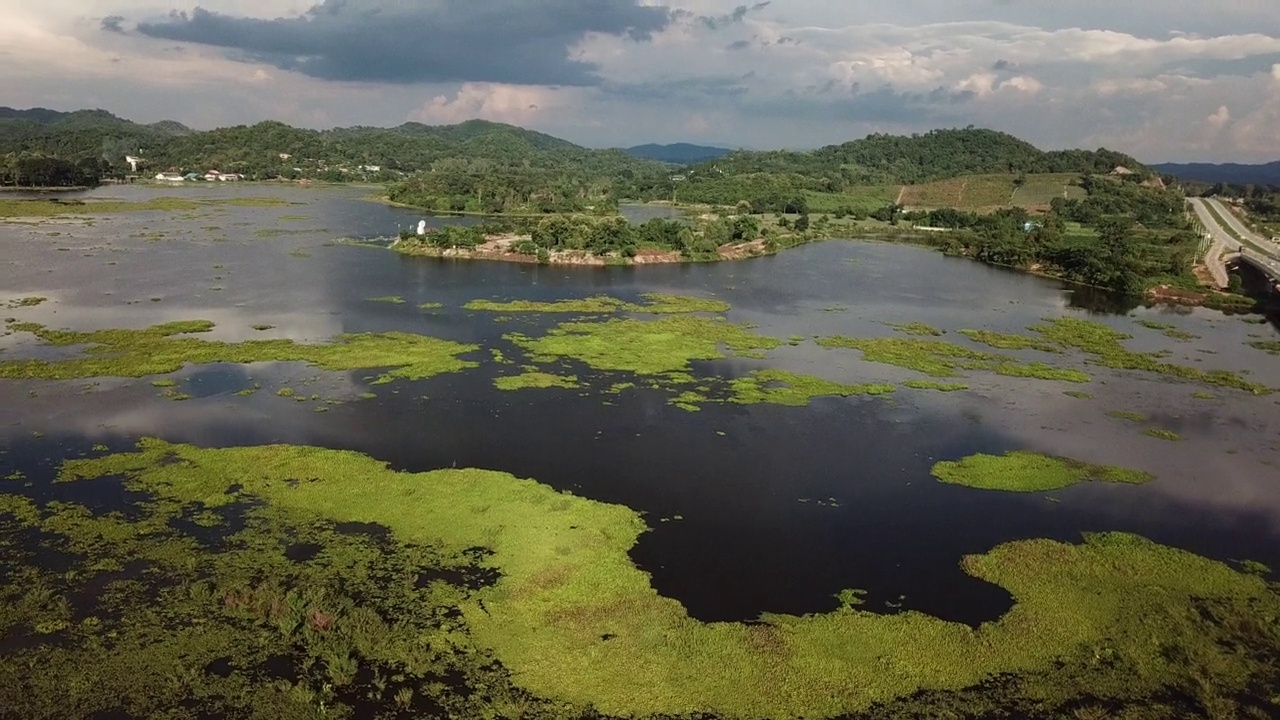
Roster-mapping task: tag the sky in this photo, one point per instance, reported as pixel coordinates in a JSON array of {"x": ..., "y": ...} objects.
[{"x": 1163, "y": 80}]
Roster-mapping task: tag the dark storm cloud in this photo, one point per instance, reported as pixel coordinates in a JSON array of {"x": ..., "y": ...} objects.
[
  {"x": 399, "y": 41},
  {"x": 113, "y": 23}
]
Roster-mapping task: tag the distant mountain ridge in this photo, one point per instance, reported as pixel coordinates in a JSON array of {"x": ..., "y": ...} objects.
[
  {"x": 272, "y": 149},
  {"x": 679, "y": 153},
  {"x": 1232, "y": 173},
  {"x": 275, "y": 149},
  {"x": 935, "y": 155}
]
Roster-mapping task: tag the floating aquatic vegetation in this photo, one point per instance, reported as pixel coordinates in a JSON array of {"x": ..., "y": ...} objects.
[
  {"x": 655, "y": 303},
  {"x": 935, "y": 385},
  {"x": 165, "y": 348},
  {"x": 535, "y": 380},
  {"x": 942, "y": 359},
  {"x": 779, "y": 387},
  {"x": 644, "y": 347},
  {"x": 346, "y": 572},
  {"x": 916, "y": 328},
  {"x": 1009, "y": 341},
  {"x": 24, "y": 302},
  {"x": 1105, "y": 346},
  {"x": 1021, "y": 471},
  {"x": 1128, "y": 415}
]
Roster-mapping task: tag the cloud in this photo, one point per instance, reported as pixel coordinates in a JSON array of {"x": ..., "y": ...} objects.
[
  {"x": 514, "y": 104},
  {"x": 1219, "y": 118},
  {"x": 504, "y": 41},
  {"x": 620, "y": 72},
  {"x": 735, "y": 16}
]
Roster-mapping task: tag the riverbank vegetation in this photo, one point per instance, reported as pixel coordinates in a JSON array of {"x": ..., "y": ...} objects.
[
  {"x": 610, "y": 239},
  {"x": 44, "y": 208},
  {"x": 1021, "y": 471},
  {"x": 334, "y": 582}
]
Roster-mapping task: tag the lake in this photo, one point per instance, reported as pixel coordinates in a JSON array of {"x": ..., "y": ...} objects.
[{"x": 753, "y": 508}]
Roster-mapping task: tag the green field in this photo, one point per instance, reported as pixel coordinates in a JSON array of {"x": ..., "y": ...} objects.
[
  {"x": 1078, "y": 230},
  {"x": 970, "y": 192},
  {"x": 989, "y": 192},
  {"x": 1039, "y": 190}
]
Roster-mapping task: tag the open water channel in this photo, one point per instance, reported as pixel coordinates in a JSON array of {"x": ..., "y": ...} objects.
[{"x": 753, "y": 509}]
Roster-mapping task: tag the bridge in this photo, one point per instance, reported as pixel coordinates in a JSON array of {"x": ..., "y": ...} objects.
[
  {"x": 1266, "y": 264},
  {"x": 1229, "y": 241}
]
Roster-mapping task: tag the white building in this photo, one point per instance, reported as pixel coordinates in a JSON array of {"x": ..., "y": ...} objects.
[
  {"x": 170, "y": 177},
  {"x": 133, "y": 162}
]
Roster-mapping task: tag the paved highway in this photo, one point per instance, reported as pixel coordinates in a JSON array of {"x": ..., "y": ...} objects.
[
  {"x": 1263, "y": 244},
  {"x": 1220, "y": 242}
]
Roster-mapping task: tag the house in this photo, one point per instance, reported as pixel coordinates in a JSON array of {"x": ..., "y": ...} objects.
[
  {"x": 371, "y": 168},
  {"x": 215, "y": 176},
  {"x": 133, "y": 162},
  {"x": 193, "y": 177},
  {"x": 285, "y": 156},
  {"x": 1121, "y": 171},
  {"x": 170, "y": 177}
]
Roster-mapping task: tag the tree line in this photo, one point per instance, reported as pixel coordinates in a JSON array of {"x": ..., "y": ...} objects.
[
  {"x": 604, "y": 236},
  {"x": 1126, "y": 236},
  {"x": 30, "y": 170}
]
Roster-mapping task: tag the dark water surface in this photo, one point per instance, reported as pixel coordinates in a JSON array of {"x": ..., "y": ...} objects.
[{"x": 753, "y": 508}]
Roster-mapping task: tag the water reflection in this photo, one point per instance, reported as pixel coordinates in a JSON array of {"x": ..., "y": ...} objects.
[{"x": 752, "y": 508}]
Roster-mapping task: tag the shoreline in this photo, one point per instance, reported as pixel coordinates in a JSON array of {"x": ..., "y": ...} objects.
[
  {"x": 498, "y": 249},
  {"x": 41, "y": 189}
]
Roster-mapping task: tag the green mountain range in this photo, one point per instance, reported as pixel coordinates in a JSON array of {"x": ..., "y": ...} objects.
[{"x": 270, "y": 148}]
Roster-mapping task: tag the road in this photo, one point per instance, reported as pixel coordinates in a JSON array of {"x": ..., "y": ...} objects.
[
  {"x": 1220, "y": 242},
  {"x": 1262, "y": 244}
]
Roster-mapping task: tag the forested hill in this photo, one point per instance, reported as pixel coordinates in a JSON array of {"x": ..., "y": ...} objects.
[
  {"x": 80, "y": 135},
  {"x": 1227, "y": 173},
  {"x": 95, "y": 141},
  {"x": 935, "y": 155},
  {"x": 273, "y": 149},
  {"x": 679, "y": 153}
]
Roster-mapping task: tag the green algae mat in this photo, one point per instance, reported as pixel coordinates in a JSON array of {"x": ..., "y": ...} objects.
[
  {"x": 654, "y": 303},
  {"x": 168, "y": 347},
  {"x": 336, "y": 579},
  {"x": 1021, "y": 471}
]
